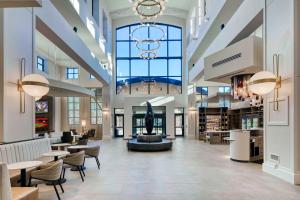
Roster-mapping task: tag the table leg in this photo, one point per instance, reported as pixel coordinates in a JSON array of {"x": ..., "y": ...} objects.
[{"x": 23, "y": 178}]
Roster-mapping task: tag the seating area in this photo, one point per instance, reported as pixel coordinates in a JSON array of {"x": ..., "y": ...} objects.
[
  {"x": 149, "y": 99},
  {"x": 30, "y": 163}
]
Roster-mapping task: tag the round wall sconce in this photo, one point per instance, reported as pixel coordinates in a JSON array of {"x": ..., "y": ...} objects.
[
  {"x": 262, "y": 82},
  {"x": 265, "y": 82},
  {"x": 35, "y": 85}
]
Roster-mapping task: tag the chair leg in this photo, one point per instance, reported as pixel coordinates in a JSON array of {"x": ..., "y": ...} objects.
[
  {"x": 64, "y": 172},
  {"x": 29, "y": 182},
  {"x": 80, "y": 173},
  {"x": 56, "y": 191},
  {"x": 98, "y": 163},
  {"x": 81, "y": 167},
  {"x": 61, "y": 187}
]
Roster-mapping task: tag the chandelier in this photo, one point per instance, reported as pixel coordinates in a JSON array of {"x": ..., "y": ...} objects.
[{"x": 148, "y": 9}]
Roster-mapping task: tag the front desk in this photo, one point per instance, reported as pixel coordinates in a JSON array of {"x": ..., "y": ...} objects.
[{"x": 246, "y": 145}]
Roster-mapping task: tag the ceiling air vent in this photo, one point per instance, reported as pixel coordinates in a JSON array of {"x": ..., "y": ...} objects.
[{"x": 226, "y": 60}]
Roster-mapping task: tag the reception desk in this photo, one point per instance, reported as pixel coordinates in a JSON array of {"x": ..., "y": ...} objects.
[{"x": 246, "y": 145}]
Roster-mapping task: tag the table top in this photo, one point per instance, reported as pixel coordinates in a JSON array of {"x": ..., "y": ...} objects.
[
  {"x": 56, "y": 153},
  {"x": 61, "y": 144},
  {"x": 79, "y": 136},
  {"x": 213, "y": 131},
  {"x": 78, "y": 147},
  {"x": 24, "y": 165}
]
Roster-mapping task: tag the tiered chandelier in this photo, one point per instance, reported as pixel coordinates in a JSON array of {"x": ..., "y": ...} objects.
[{"x": 148, "y": 10}]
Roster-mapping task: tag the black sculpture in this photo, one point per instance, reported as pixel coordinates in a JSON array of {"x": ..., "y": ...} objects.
[{"x": 149, "y": 119}]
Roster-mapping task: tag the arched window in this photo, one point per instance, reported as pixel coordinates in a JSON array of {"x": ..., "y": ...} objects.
[{"x": 162, "y": 75}]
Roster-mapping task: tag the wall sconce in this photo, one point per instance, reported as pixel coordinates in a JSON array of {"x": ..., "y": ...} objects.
[
  {"x": 34, "y": 85},
  {"x": 264, "y": 82}
]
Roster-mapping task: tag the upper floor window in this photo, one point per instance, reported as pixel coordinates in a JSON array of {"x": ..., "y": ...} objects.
[
  {"x": 224, "y": 89},
  {"x": 92, "y": 77},
  {"x": 72, "y": 73},
  {"x": 41, "y": 65},
  {"x": 73, "y": 104},
  {"x": 96, "y": 107},
  {"x": 162, "y": 75},
  {"x": 201, "y": 96}
]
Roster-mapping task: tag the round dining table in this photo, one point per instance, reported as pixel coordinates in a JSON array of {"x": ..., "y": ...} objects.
[
  {"x": 56, "y": 154},
  {"x": 61, "y": 146},
  {"x": 23, "y": 166}
]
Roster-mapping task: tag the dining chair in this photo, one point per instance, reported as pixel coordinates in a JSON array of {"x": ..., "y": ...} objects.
[
  {"x": 74, "y": 160},
  {"x": 93, "y": 152},
  {"x": 48, "y": 173}
]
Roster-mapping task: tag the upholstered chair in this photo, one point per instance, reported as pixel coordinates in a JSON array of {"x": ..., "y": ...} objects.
[
  {"x": 75, "y": 160},
  {"x": 48, "y": 173},
  {"x": 83, "y": 142},
  {"x": 13, "y": 193},
  {"x": 93, "y": 152}
]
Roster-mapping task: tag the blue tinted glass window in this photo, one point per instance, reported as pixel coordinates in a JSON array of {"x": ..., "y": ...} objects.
[
  {"x": 72, "y": 73},
  {"x": 41, "y": 64},
  {"x": 163, "y": 49},
  {"x": 175, "y": 67},
  {"x": 174, "y": 48},
  {"x": 122, "y": 49},
  {"x": 162, "y": 74},
  {"x": 139, "y": 67},
  {"x": 174, "y": 33},
  {"x": 123, "y": 33},
  {"x": 158, "y": 67},
  {"x": 122, "y": 67}
]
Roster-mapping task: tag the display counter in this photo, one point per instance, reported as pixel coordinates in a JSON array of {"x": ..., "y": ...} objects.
[
  {"x": 246, "y": 145},
  {"x": 216, "y": 137}
]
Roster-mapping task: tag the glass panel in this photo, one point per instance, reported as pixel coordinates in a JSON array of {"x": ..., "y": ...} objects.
[
  {"x": 174, "y": 33},
  {"x": 175, "y": 49},
  {"x": 123, "y": 33},
  {"x": 174, "y": 67},
  {"x": 158, "y": 67},
  {"x": 162, "y": 51},
  {"x": 140, "y": 33},
  {"x": 122, "y": 86},
  {"x": 158, "y": 33},
  {"x": 139, "y": 67},
  {"x": 178, "y": 121},
  {"x": 122, "y": 67},
  {"x": 134, "y": 50},
  {"x": 122, "y": 49}
]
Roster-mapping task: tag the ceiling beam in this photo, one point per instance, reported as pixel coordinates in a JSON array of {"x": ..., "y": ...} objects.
[{"x": 14, "y": 4}]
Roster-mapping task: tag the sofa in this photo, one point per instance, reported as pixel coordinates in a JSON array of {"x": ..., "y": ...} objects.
[{"x": 24, "y": 151}]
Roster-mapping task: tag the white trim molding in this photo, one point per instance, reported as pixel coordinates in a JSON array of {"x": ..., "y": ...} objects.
[{"x": 282, "y": 172}]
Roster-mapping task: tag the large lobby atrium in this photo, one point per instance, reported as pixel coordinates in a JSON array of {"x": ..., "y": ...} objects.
[{"x": 149, "y": 99}]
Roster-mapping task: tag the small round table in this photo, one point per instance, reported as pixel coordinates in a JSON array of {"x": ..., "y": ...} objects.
[
  {"x": 61, "y": 146},
  {"x": 23, "y": 166},
  {"x": 56, "y": 154},
  {"x": 78, "y": 148}
]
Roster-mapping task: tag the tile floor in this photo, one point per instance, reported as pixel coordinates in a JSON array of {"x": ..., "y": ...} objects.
[{"x": 193, "y": 170}]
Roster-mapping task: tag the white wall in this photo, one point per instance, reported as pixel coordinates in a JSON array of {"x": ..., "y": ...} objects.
[
  {"x": 18, "y": 43},
  {"x": 281, "y": 140}
]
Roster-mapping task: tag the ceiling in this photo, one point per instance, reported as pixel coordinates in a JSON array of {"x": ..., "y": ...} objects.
[{"x": 173, "y": 7}]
